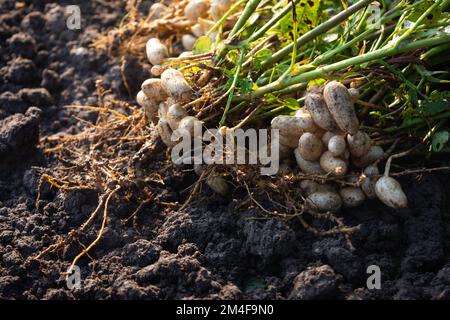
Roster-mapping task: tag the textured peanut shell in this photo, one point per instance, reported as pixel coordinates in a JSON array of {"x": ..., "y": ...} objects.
[
  {"x": 188, "y": 41},
  {"x": 327, "y": 136},
  {"x": 341, "y": 107},
  {"x": 197, "y": 30},
  {"x": 308, "y": 167},
  {"x": 352, "y": 197},
  {"x": 390, "y": 192},
  {"x": 337, "y": 145},
  {"x": 292, "y": 127},
  {"x": 196, "y": 9},
  {"x": 165, "y": 132},
  {"x": 289, "y": 141},
  {"x": 150, "y": 107},
  {"x": 157, "y": 11},
  {"x": 370, "y": 180},
  {"x": 333, "y": 165},
  {"x": 354, "y": 93},
  {"x": 188, "y": 124},
  {"x": 219, "y": 8},
  {"x": 359, "y": 144},
  {"x": 324, "y": 202},
  {"x": 185, "y": 54},
  {"x": 310, "y": 147},
  {"x": 218, "y": 185},
  {"x": 318, "y": 109},
  {"x": 174, "y": 115},
  {"x": 307, "y": 122},
  {"x": 162, "y": 109},
  {"x": 176, "y": 86},
  {"x": 375, "y": 153},
  {"x": 153, "y": 90},
  {"x": 156, "y": 51},
  {"x": 157, "y": 70},
  {"x": 309, "y": 187}
]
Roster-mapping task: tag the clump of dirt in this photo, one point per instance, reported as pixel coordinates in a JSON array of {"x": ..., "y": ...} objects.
[{"x": 214, "y": 249}]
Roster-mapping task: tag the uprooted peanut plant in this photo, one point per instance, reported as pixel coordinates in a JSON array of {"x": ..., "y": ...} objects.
[{"x": 350, "y": 85}]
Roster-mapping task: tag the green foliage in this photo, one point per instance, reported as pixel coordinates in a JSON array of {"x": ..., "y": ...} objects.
[
  {"x": 420, "y": 9},
  {"x": 433, "y": 105},
  {"x": 202, "y": 45},
  {"x": 291, "y": 103},
  {"x": 436, "y": 103},
  {"x": 245, "y": 85},
  {"x": 439, "y": 140},
  {"x": 308, "y": 16},
  {"x": 260, "y": 57},
  {"x": 414, "y": 102},
  {"x": 316, "y": 82}
]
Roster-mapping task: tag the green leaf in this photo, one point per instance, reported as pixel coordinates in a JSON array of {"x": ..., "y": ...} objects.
[
  {"x": 281, "y": 69},
  {"x": 245, "y": 85},
  {"x": 271, "y": 98},
  {"x": 202, "y": 45},
  {"x": 412, "y": 93},
  {"x": 429, "y": 75},
  {"x": 308, "y": 16},
  {"x": 439, "y": 140},
  {"x": 291, "y": 103},
  {"x": 261, "y": 57},
  {"x": 435, "y": 107},
  {"x": 432, "y": 18},
  {"x": 315, "y": 82},
  {"x": 408, "y": 116},
  {"x": 437, "y": 102},
  {"x": 440, "y": 95}
]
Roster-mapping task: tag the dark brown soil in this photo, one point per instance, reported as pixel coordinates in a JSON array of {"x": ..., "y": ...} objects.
[{"x": 209, "y": 251}]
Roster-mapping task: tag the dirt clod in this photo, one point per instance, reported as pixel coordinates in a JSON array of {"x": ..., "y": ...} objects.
[{"x": 315, "y": 283}]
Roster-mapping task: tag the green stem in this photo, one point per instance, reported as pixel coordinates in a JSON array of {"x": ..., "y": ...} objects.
[
  {"x": 270, "y": 113},
  {"x": 232, "y": 88},
  {"x": 239, "y": 107},
  {"x": 375, "y": 55},
  {"x": 445, "y": 4},
  {"x": 310, "y": 35},
  {"x": 225, "y": 17},
  {"x": 277, "y": 17},
  {"x": 363, "y": 19},
  {"x": 419, "y": 122},
  {"x": 250, "y": 7},
  {"x": 330, "y": 54},
  {"x": 293, "y": 89},
  {"x": 294, "y": 50},
  {"x": 411, "y": 29}
]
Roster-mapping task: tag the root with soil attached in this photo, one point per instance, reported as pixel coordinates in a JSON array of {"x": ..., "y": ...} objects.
[{"x": 98, "y": 158}]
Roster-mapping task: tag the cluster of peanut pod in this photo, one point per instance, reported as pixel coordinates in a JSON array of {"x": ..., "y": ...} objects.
[
  {"x": 202, "y": 16},
  {"x": 162, "y": 97},
  {"x": 326, "y": 139},
  {"x": 324, "y": 136}
]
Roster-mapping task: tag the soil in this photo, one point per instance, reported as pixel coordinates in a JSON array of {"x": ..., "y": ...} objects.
[{"x": 208, "y": 251}]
